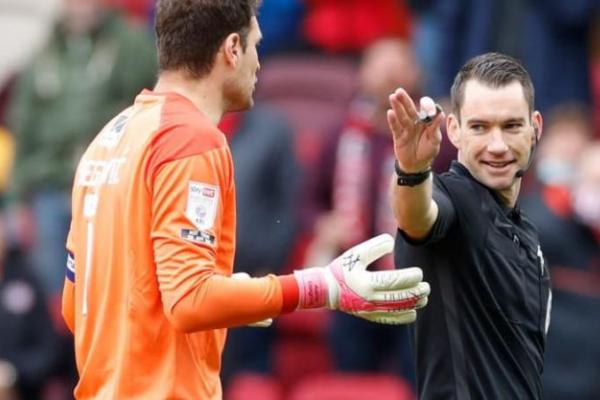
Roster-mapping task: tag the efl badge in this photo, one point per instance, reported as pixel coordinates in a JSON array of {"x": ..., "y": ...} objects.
[{"x": 202, "y": 204}]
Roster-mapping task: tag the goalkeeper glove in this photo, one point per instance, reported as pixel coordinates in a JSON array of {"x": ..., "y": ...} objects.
[{"x": 387, "y": 297}]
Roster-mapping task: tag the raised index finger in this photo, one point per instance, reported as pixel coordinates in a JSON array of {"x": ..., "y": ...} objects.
[
  {"x": 401, "y": 114},
  {"x": 408, "y": 104}
]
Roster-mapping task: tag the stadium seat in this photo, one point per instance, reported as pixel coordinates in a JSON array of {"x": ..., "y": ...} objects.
[
  {"x": 352, "y": 387},
  {"x": 252, "y": 387},
  {"x": 301, "y": 347},
  {"x": 314, "y": 93}
]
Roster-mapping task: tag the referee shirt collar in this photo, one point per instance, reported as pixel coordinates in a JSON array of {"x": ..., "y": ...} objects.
[{"x": 513, "y": 213}]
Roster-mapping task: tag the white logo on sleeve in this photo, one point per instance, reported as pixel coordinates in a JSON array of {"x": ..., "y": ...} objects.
[{"x": 202, "y": 203}]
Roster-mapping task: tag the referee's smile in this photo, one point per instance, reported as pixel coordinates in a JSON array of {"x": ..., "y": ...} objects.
[{"x": 499, "y": 167}]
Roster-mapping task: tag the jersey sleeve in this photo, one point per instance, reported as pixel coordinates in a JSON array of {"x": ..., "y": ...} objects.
[
  {"x": 192, "y": 208},
  {"x": 446, "y": 217}
]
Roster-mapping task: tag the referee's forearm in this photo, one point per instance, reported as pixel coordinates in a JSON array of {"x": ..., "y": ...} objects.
[{"x": 414, "y": 208}]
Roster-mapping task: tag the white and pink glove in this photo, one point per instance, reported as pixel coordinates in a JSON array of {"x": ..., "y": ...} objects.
[{"x": 387, "y": 297}]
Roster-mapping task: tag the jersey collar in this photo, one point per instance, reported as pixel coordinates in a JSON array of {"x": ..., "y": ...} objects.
[{"x": 513, "y": 213}]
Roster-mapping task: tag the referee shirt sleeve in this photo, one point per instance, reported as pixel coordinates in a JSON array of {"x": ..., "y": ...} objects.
[{"x": 446, "y": 217}]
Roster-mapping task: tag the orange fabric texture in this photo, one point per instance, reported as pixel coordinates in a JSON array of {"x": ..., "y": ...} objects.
[
  {"x": 7, "y": 155},
  {"x": 153, "y": 241}
]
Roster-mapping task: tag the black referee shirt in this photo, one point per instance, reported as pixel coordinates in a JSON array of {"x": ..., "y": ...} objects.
[{"x": 482, "y": 335}]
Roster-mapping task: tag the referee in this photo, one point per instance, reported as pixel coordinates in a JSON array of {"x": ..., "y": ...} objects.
[{"x": 483, "y": 334}]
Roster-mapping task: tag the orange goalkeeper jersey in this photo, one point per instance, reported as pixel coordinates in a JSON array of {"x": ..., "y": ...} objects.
[{"x": 147, "y": 291}]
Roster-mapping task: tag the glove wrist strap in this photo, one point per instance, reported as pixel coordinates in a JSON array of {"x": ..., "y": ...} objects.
[{"x": 313, "y": 288}]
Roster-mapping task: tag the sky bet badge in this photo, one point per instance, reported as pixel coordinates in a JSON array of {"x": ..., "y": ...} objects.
[{"x": 202, "y": 203}]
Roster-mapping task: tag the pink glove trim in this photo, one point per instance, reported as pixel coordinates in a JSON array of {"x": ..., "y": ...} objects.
[
  {"x": 350, "y": 301},
  {"x": 313, "y": 289}
]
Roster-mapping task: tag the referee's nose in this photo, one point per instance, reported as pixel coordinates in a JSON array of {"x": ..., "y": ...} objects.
[{"x": 497, "y": 145}]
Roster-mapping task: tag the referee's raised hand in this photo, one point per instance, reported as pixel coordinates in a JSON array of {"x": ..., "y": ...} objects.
[{"x": 417, "y": 136}]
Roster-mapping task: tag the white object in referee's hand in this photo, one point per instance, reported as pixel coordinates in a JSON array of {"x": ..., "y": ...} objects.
[{"x": 429, "y": 110}]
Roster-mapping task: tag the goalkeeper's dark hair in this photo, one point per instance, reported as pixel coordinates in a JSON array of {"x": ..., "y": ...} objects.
[
  {"x": 190, "y": 32},
  {"x": 495, "y": 70}
]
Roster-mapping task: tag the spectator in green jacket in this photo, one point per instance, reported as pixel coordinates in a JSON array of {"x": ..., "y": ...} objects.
[{"x": 93, "y": 63}]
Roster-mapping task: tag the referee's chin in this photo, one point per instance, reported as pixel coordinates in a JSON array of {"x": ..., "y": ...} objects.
[{"x": 497, "y": 183}]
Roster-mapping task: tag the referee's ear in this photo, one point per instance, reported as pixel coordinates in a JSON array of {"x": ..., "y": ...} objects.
[
  {"x": 453, "y": 130},
  {"x": 538, "y": 124}
]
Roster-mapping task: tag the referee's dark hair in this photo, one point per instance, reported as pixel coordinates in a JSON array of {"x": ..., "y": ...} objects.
[
  {"x": 190, "y": 32},
  {"x": 492, "y": 69}
]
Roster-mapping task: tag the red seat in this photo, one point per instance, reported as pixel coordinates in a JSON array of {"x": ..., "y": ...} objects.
[
  {"x": 310, "y": 324},
  {"x": 253, "y": 387},
  {"x": 352, "y": 387},
  {"x": 301, "y": 347},
  {"x": 313, "y": 92}
]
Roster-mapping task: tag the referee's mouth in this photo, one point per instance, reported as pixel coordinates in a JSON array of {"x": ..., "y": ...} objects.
[{"x": 499, "y": 166}]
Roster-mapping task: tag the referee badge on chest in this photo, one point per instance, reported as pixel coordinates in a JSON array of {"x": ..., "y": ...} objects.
[{"x": 202, "y": 203}]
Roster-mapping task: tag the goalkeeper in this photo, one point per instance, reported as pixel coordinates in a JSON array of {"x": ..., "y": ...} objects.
[{"x": 148, "y": 292}]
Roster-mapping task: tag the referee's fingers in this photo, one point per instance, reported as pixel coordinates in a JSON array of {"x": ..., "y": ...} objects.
[
  {"x": 408, "y": 104},
  {"x": 403, "y": 113}
]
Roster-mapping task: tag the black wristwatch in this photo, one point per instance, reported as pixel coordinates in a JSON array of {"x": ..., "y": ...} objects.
[{"x": 413, "y": 179}]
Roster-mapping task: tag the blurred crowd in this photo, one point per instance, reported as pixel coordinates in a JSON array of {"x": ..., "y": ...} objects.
[{"x": 313, "y": 161}]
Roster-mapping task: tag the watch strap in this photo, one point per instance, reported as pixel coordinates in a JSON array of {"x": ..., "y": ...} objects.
[{"x": 410, "y": 179}]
